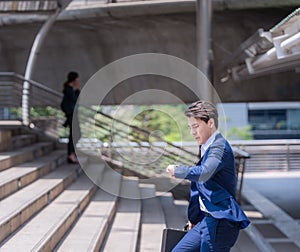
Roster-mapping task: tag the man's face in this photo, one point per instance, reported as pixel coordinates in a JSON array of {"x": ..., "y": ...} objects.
[{"x": 201, "y": 130}]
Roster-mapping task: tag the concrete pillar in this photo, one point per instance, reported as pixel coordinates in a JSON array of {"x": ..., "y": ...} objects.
[{"x": 203, "y": 37}]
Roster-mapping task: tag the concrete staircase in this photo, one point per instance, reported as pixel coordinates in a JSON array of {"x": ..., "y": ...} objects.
[{"x": 48, "y": 205}]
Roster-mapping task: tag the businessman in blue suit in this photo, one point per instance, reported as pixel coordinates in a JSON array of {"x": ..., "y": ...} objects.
[{"x": 215, "y": 218}]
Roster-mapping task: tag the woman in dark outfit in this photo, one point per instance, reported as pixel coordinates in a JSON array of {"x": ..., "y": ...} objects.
[{"x": 71, "y": 92}]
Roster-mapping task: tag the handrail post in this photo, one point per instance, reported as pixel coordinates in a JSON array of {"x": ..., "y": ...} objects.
[
  {"x": 38, "y": 41},
  {"x": 288, "y": 157},
  {"x": 241, "y": 179},
  {"x": 110, "y": 147}
]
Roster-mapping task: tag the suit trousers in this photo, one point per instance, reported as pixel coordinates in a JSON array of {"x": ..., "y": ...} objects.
[{"x": 209, "y": 235}]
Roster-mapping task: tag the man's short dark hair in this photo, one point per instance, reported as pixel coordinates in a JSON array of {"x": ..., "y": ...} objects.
[{"x": 203, "y": 110}]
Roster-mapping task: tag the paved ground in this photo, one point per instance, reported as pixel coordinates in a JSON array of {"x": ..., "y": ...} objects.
[{"x": 282, "y": 188}]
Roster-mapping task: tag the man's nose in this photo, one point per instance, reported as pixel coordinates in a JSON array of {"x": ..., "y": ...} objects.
[{"x": 193, "y": 132}]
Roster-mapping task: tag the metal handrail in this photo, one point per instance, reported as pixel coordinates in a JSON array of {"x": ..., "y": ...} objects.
[
  {"x": 32, "y": 83},
  {"x": 145, "y": 132},
  {"x": 170, "y": 154},
  {"x": 28, "y": 6},
  {"x": 39, "y": 85},
  {"x": 265, "y": 142}
]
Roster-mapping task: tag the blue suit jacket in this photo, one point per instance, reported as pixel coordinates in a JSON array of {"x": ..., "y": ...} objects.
[{"x": 213, "y": 178}]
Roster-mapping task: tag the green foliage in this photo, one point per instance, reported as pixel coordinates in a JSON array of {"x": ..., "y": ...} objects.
[
  {"x": 44, "y": 111},
  {"x": 36, "y": 112},
  {"x": 166, "y": 121},
  {"x": 15, "y": 113},
  {"x": 240, "y": 133},
  {"x": 63, "y": 132}
]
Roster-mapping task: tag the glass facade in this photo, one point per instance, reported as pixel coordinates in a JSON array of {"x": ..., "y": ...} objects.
[
  {"x": 275, "y": 123},
  {"x": 265, "y": 119}
]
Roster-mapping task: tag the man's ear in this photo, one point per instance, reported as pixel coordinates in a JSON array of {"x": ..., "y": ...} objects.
[{"x": 211, "y": 123}]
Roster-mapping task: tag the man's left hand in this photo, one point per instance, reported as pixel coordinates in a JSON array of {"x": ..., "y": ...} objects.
[{"x": 171, "y": 169}]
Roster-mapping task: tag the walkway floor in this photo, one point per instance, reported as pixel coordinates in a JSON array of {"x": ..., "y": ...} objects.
[
  {"x": 274, "y": 209},
  {"x": 282, "y": 188}
]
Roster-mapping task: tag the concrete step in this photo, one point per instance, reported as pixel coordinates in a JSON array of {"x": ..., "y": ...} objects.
[
  {"x": 20, "y": 141},
  {"x": 174, "y": 214},
  {"x": 153, "y": 220},
  {"x": 89, "y": 232},
  {"x": 44, "y": 231},
  {"x": 22, "y": 205},
  {"x": 283, "y": 245},
  {"x": 12, "y": 158},
  {"x": 14, "y": 127},
  {"x": 123, "y": 235},
  {"x": 17, "y": 177},
  {"x": 244, "y": 244},
  {"x": 182, "y": 206}
]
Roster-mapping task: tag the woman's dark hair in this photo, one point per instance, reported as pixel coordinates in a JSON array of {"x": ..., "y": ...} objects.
[
  {"x": 203, "y": 110},
  {"x": 70, "y": 78}
]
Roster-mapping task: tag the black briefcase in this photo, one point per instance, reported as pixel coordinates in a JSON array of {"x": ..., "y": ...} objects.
[{"x": 170, "y": 238}]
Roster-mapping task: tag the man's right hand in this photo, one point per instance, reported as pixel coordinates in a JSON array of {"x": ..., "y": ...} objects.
[{"x": 190, "y": 225}]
